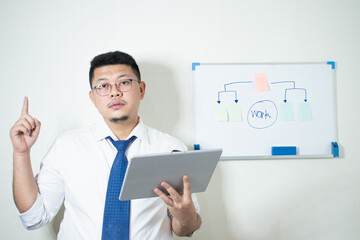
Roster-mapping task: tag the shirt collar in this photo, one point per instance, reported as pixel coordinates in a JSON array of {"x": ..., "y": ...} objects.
[{"x": 103, "y": 131}]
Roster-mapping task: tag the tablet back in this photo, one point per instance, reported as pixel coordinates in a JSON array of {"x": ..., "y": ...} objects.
[{"x": 146, "y": 172}]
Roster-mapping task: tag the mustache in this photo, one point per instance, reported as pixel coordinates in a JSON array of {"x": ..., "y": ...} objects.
[{"x": 115, "y": 102}]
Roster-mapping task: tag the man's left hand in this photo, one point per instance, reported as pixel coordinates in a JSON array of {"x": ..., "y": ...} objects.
[{"x": 185, "y": 219}]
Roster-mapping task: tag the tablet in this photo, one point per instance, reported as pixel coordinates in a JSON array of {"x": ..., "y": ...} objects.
[{"x": 146, "y": 172}]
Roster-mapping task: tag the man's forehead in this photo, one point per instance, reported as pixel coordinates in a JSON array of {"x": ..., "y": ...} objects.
[{"x": 118, "y": 70}]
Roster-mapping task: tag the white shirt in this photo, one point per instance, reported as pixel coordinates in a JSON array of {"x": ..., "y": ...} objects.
[{"x": 76, "y": 171}]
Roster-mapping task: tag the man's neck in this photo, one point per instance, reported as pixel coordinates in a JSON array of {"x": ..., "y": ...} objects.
[{"x": 122, "y": 129}]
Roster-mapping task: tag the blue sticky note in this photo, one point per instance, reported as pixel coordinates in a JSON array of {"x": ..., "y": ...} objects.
[
  {"x": 286, "y": 112},
  {"x": 305, "y": 112}
]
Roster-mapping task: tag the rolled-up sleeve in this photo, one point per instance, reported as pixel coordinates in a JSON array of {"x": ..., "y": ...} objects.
[
  {"x": 33, "y": 218},
  {"x": 51, "y": 193}
]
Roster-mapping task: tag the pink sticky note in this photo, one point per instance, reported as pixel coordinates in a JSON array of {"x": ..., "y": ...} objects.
[{"x": 261, "y": 82}]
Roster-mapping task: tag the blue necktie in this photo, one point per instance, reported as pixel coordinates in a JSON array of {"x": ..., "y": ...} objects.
[{"x": 116, "y": 223}]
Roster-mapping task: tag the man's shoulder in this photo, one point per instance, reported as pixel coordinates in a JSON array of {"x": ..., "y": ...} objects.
[
  {"x": 80, "y": 134},
  {"x": 156, "y": 135},
  {"x": 71, "y": 141}
]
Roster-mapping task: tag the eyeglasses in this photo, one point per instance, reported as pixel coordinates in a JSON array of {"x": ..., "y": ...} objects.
[{"x": 104, "y": 89}]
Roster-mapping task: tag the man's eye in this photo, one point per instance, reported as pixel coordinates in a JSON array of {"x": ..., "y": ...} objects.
[
  {"x": 105, "y": 85},
  {"x": 126, "y": 82}
]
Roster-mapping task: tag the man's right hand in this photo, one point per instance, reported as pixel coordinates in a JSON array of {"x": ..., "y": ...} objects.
[
  {"x": 25, "y": 131},
  {"x": 23, "y": 136}
]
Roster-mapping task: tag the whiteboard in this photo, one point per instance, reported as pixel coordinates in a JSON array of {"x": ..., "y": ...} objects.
[{"x": 246, "y": 109}]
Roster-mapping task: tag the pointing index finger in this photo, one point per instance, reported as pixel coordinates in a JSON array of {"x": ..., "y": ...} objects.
[{"x": 25, "y": 108}]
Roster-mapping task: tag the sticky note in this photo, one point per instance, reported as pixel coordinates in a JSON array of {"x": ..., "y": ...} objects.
[
  {"x": 261, "y": 82},
  {"x": 286, "y": 112},
  {"x": 221, "y": 114},
  {"x": 305, "y": 112},
  {"x": 234, "y": 112}
]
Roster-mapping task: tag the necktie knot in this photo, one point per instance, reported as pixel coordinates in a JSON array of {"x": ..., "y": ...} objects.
[{"x": 122, "y": 145}]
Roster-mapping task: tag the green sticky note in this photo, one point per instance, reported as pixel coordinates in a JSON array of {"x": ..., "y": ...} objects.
[
  {"x": 234, "y": 112},
  {"x": 286, "y": 112},
  {"x": 305, "y": 112},
  {"x": 221, "y": 114}
]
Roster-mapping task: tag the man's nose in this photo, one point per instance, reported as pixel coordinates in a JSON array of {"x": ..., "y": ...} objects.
[{"x": 115, "y": 92}]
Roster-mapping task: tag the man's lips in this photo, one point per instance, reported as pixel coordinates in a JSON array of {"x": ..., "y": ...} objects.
[{"x": 116, "y": 104}]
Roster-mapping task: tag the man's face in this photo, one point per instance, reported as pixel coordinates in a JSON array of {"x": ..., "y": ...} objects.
[{"x": 117, "y": 106}]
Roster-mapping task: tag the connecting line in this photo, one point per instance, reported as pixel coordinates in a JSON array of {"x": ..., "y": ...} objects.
[
  {"x": 293, "y": 88},
  {"x": 235, "y": 83},
  {"x": 302, "y": 89},
  {"x": 284, "y": 82},
  {"x": 236, "y": 100}
]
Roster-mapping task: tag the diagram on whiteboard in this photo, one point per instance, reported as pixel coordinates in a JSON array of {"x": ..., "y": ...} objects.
[{"x": 287, "y": 100}]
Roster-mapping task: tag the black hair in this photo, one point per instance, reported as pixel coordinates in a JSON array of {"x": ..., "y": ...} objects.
[{"x": 113, "y": 58}]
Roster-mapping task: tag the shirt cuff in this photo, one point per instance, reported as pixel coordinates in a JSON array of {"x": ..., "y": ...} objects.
[{"x": 32, "y": 218}]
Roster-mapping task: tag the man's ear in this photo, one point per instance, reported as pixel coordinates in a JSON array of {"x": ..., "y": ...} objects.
[
  {"x": 142, "y": 89},
  {"x": 91, "y": 95}
]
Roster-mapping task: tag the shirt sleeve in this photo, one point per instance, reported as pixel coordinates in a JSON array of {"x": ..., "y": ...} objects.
[
  {"x": 32, "y": 218},
  {"x": 196, "y": 204},
  {"x": 51, "y": 192}
]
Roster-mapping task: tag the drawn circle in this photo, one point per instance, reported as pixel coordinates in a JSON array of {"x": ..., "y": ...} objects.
[{"x": 262, "y": 114}]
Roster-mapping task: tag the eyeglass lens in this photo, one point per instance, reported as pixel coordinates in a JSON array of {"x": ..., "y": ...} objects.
[{"x": 105, "y": 89}]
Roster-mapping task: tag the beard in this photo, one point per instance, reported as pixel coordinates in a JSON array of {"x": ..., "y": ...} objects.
[{"x": 120, "y": 119}]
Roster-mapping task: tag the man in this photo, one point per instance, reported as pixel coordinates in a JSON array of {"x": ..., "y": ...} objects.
[{"x": 78, "y": 167}]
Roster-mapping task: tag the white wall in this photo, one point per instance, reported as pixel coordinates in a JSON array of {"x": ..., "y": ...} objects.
[{"x": 45, "y": 49}]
